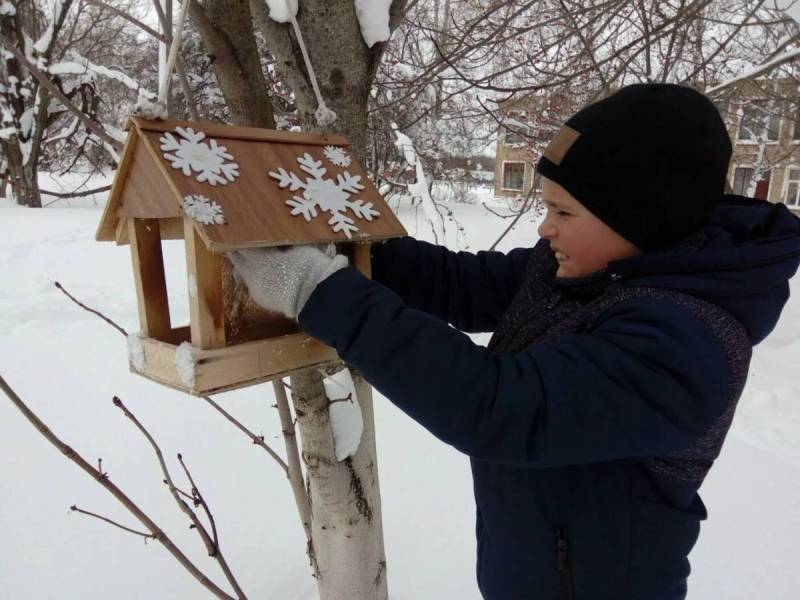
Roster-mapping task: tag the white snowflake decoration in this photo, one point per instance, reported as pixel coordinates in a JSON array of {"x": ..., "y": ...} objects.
[
  {"x": 326, "y": 195},
  {"x": 191, "y": 153},
  {"x": 337, "y": 156},
  {"x": 203, "y": 210}
]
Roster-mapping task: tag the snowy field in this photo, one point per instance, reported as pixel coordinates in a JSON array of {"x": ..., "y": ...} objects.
[{"x": 67, "y": 364}]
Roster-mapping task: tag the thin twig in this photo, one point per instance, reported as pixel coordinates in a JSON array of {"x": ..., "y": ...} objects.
[
  {"x": 212, "y": 549},
  {"x": 295, "y": 470},
  {"x": 127, "y": 17},
  {"x": 522, "y": 211},
  {"x": 91, "y": 310},
  {"x": 198, "y": 499},
  {"x": 257, "y": 440},
  {"x": 19, "y": 186},
  {"x": 146, "y": 536},
  {"x": 72, "y": 455}
]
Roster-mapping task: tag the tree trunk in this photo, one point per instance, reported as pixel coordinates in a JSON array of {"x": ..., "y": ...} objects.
[
  {"x": 346, "y": 548},
  {"x": 346, "y": 526},
  {"x": 23, "y": 179}
]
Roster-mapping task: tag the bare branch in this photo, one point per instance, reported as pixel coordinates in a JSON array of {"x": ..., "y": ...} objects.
[
  {"x": 53, "y": 89},
  {"x": 127, "y": 17},
  {"x": 257, "y": 440},
  {"x": 295, "y": 470},
  {"x": 91, "y": 310},
  {"x": 197, "y": 498},
  {"x": 211, "y": 547},
  {"x": 146, "y": 536},
  {"x": 72, "y": 455}
]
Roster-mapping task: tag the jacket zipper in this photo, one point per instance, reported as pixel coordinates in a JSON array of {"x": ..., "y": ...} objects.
[{"x": 564, "y": 565}]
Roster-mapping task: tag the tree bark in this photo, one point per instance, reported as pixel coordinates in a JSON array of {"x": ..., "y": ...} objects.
[
  {"x": 346, "y": 526},
  {"x": 346, "y": 546}
]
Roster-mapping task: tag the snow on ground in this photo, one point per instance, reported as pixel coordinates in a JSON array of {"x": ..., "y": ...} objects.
[{"x": 67, "y": 364}]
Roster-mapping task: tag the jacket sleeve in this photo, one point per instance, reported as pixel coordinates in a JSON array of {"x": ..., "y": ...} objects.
[
  {"x": 648, "y": 379},
  {"x": 469, "y": 291}
]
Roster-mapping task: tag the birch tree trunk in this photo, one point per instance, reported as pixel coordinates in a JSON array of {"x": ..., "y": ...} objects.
[
  {"x": 347, "y": 533},
  {"x": 346, "y": 549}
]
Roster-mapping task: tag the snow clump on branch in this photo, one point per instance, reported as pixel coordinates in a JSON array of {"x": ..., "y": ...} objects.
[
  {"x": 282, "y": 10},
  {"x": 373, "y": 19}
]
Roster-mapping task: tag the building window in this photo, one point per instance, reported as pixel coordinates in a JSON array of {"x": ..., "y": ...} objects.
[
  {"x": 755, "y": 120},
  {"x": 513, "y": 176},
  {"x": 516, "y": 129},
  {"x": 791, "y": 196},
  {"x": 741, "y": 180}
]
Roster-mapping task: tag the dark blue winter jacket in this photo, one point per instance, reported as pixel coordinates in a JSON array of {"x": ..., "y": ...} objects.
[{"x": 588, "y": 444}]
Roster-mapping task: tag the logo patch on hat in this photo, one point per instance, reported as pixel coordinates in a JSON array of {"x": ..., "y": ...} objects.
[{"x": 560, "y": 144}]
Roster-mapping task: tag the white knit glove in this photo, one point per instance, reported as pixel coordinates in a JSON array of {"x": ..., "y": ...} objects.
[{"x": 281, "y": 280}]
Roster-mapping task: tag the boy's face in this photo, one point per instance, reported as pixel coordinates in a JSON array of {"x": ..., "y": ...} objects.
[{"x": 581, "y": 242}]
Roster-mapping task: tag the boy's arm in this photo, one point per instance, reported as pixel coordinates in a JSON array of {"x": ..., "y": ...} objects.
[
  {"x": 470, "y": 291},
  {"x": 648, "y": 380}
]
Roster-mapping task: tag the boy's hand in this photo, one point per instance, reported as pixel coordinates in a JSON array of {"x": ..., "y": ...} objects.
[{"x": 281, "y": 280}]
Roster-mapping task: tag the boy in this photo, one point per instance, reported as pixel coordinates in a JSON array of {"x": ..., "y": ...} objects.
[{"x": 621, "y": 346}]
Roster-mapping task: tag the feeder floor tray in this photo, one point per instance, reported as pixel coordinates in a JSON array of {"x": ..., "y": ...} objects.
[{"x": 221, "y": 369}]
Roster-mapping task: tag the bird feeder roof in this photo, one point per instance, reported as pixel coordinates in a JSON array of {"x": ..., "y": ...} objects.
[{"x": 241, "y": 186}]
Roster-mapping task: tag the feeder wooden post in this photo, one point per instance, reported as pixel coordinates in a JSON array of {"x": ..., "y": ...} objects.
[
  {"x": 148, "y": 272},
  {"x": 204, "y": 271}
]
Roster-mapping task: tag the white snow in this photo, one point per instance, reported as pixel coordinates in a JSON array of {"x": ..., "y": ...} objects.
[
  {"x": 185, "y": 364},
  {"x": 67, "y": 364},
  {"x": 136, "y": 350},
  {"x": 7, "y": 9},
  {"x": 406, "y": 146},
  {"x": 373, "y": 19},
  {"x": 282, "y": 10},
  {"x": 44, "y": 41},
  {"x": 346, "y": 421},
  {"x": 192, "y": 285}
]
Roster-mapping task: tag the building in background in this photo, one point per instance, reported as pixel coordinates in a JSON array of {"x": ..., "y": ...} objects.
[{"x": 763, "y": 120}]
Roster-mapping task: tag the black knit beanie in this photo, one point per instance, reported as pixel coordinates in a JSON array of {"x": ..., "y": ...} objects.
[{"x": 649, "y": 161}]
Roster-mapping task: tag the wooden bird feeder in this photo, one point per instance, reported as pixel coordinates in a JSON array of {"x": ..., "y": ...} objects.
[{"x": 222, "y": 188}]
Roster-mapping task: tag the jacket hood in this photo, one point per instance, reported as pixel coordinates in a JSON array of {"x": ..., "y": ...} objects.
[{"x": 741, "y": 261}]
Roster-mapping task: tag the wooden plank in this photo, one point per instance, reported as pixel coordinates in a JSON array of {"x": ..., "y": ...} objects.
[
  {"x": 207, "y": 320},
  {"x": 147, "y": 193},
  {"x": 234, "y": 367},
  {"x": 255, "y": 134},
  {"x": 108, "y": 222},
  {"x": 148, "y": 273},
  {"x": 361, "y": 258},
  {"x": 122, "y": 232},
  {"x": 172, "y": 229}
]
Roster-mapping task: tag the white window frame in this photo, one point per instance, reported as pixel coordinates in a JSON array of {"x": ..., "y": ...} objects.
[
  {"x": 739, "y": 140},
  {"x": 503, "y": 175},
  {"x": 785, "y": 189},
  {"x": 733, "y": 177}
]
